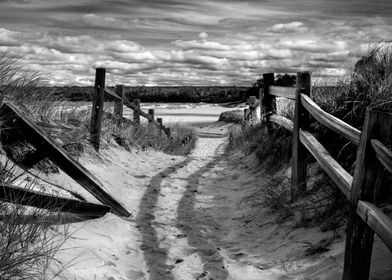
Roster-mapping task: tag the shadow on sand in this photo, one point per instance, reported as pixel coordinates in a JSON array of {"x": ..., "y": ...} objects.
[
  {"x": 192, "y": 225},
  {"x": 154, "y": 256}
]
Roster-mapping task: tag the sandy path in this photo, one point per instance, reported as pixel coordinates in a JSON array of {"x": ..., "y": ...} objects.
[{"x": 174, "y": 244}]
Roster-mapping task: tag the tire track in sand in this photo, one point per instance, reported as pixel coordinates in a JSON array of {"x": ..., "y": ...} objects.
[
  {"x": 154, "y": 256},
  {"x": 193, "y": 227},
  {"x": 170, "y": 234}
]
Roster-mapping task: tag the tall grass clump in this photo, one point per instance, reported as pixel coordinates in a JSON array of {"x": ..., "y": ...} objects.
[
  {"x": 270, "y": 144},
  {"x": 28, "y": 240},
  {"x": 17, "y": 83},
  {"x": 368, "y": 85},
  {"x": 139, "y": 137}
]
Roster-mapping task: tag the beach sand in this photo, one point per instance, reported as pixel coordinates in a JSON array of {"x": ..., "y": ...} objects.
[{"x": 192, "y": 218}]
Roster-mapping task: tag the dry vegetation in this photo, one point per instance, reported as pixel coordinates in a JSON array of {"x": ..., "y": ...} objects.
[{"x": 28, "y": 240}]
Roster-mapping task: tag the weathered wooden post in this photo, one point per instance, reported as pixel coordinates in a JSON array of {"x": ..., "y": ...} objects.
[
  {"x": 267, "y": 106},
  {"x": 252, "y": 108},
  {"x": 168, "y": 132},
  {"x": 118, "y": 105},
  {"x": 136, "y": 113},
  {"x": 246, "y": 114},
  {"x": 301, "y": 121},
  {"x": 160, "y": 121},
  {"x": 368, "y": 177},
  {"x": 151, "y": 113},
  {"x": 97, "y": 109}
]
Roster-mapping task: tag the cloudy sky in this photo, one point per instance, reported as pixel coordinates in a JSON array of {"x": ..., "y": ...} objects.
[{"x": 190, "y": 42}]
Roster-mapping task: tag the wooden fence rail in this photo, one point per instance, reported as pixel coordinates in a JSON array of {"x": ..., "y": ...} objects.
[
  {"x": 22, "y": 196},
  {"x": 97, "y": 110},
  {"x": 363, "y": 189}
]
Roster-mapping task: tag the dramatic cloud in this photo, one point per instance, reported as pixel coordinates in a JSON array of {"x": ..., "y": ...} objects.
[{"x": 173, "y": 42}]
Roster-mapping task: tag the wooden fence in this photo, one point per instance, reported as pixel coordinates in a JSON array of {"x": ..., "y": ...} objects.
[
  {"x": 363, "y": 189},
  {"x": 97, "y": 111}
]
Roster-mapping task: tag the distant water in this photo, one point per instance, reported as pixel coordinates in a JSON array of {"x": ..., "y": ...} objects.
[{"x": 190, "y": 114}]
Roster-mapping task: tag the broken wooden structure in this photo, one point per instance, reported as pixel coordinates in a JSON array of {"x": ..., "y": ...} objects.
[{"x": 15, "y": 123}]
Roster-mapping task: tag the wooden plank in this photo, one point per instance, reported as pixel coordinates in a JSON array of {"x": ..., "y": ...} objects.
[
  {"x": 253, "y": 104},
  {"x": 246, "y": 114},
  {"x": 268, "y": 100},
  {"x": 282, "y": 121},
  {"x": 380, "y": 223},
  {"x": 331, "y": 121},
  {"x": 383, "y": 154},
  {"x": 337, "y": 173},
  {"x": 112, "y": 93},
  {"x": 97, "y": 108},
  {"x": 33, "y": 158},
  {"x": 368, "y": 178},
  {"x": 151, "y": 112},
  {"x": 50, "y": 218},
  {"x": 136, "y": 112},
  {"x": 33, "y": 134},
  {"x": 286, "y": 92},
  {"x": 299, "y": 153},
  {"x": 17, "y": 195},
  {"x": 151, "y": 121}
]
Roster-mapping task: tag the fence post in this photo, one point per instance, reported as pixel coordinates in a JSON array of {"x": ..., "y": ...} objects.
[
  {"x": 366, "y": 186},
  {"x": 118, "y": 105},
  {"x": 267, "y": 100},
  {"x": 160, "y": 121},
  {"x": 97, "y": 109},
  {"x": 151, "y": 112},
  {"x": 136, "y": 113},
  {"x": 168, "y": 132},
  {"x": 301, "y": 121},
  {"x": 246, "y": 114},
  {"x": 252, "y": 104}
]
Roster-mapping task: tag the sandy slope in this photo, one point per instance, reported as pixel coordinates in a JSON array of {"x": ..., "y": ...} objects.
[{"x": 193, "y": 218}]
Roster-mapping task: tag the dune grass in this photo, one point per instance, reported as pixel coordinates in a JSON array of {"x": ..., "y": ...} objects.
[
  {"x": 181, "y": 141},
  {"x": 28, "y": 241}
]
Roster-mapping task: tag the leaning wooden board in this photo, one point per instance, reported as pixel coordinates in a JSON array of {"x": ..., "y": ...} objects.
[
  {"x": 13, "y": 118},
  {"x": 18, "y": 195}
]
